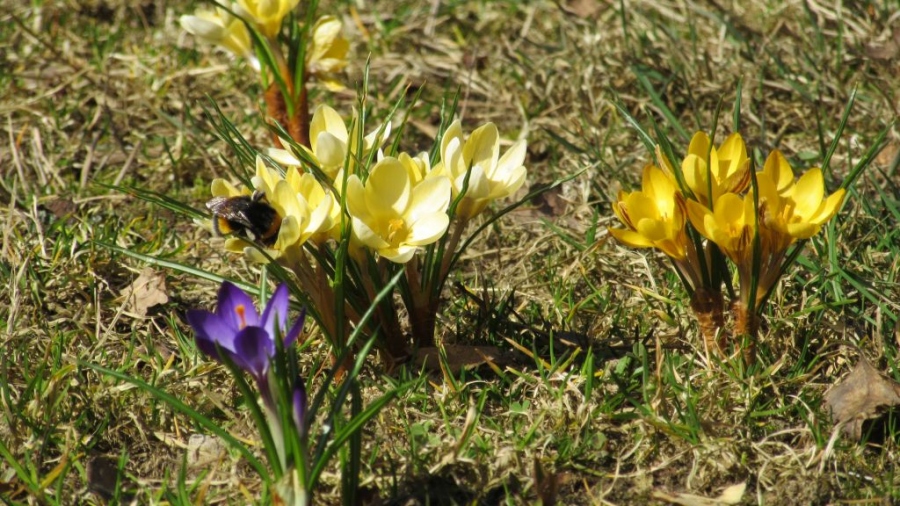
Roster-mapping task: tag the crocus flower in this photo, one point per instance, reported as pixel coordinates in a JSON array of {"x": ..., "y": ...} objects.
[
  {"x": 267, "y": 14},
  {"x": 331, "y": 142},
  {"x": 299, "y": 199},
  {"x": 299, "y": 404},
  {"x": 731, "y": 224},
  {"x": 477, "y": 158},
  {"x": 655, "y": 216},
  {"x": 801, "y": 207},
  {"x": 327, "y": 52},
  {"x": 219, "y": 27},
  {"x": 243, "y": 335},
  {"x": 728, "y": 170},
  {"x": 392, "y": 216}
]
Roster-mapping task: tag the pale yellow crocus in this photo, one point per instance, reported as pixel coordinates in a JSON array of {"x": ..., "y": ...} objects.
[
  {"x": 326, "y": 54},
  {"x": 475, "y": 164},
  {"x": 217, "y": 26},
  {"x": 331, "y": 143},
  {"x": 267, "y": 14},
  {"x": 392, "y": 216}
]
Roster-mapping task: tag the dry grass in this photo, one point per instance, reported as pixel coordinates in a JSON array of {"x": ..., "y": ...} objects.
[{"x": 106, "y": 93}]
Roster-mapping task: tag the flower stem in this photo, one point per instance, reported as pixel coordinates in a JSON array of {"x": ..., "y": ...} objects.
[
  {"x": 707, "y": 305},
  {"x": 746, "y": 324},
  {"x": 294, "y": 119}
]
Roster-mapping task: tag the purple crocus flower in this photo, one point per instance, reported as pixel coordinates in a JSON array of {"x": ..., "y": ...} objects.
[
  {"x": 299, "y": 405},
  {"x": 246, "y": 337}
]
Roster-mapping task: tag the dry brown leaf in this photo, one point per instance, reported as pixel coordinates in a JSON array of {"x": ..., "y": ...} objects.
[
  {"x": 551, "y": 202},
  {"x": 582, "y": 8},
  {"x": 860, "y": 396},
  {"x": 546, "y": 484},
  {"x": 887, "y": 50},
  {"x": 887, "y": 155},
  {"x": 148, "y": 290},
  {"x": 458, "y": 357},
  {"x": 731, "y": 495}
]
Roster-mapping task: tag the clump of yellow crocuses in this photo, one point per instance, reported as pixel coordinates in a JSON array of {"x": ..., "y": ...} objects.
[
  {"x": 714, "y": 203},
  {"x": 386, "y": 214},
  {"x": 348, "y": 215}
]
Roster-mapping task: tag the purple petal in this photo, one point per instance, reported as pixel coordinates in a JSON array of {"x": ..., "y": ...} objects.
[
  {"x": 296, "y": 330},
  {"x": 236, "y": 307},
  {"x": 210, "y": 328},
  {"x": 300, "y": 407},
  {"x": 253, "y": 351},
  {"x": 276, "y": 313}
]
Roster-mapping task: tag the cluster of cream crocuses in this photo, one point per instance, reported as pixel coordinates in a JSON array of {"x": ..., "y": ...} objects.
[
  {"x": 399, "y": 205},
  {"x": 713, "y": 192},
  {"x": 326, "y": 54}
]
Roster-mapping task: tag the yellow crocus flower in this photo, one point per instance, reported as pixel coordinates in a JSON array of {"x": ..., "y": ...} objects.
[
  {"x": 801, "y": 208},
  {"x": 654, "y": 215},
  {"x": 490, "y": 176},
  {"x": 327, "y": 52},
  {"x": 728, "y": 169},
  {"x": 219, "y": 27},
  {"x": 331, "y": 142},
  {"x": 392, "y": 216},
  {"x": 731, "y": 224},
  {"x": 267, "y": 14}
]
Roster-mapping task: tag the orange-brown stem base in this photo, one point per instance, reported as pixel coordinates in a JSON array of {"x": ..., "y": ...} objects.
[{"x": 708, "y": 306}]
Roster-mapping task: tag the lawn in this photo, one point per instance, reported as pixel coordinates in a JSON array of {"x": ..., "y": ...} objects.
[{"x": 593, "y": 385}]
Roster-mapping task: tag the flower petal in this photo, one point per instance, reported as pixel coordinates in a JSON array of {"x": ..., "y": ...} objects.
[
  {"x": 483, "y": 148},
  {"x": 275, "y": 315},
  {"x": 210, "y": 329},
  {"x": 808, "y": 193},
  {"x": 253, "y": 351},
  {"x": 630, "y": 238},
  {"x": 236, "y": 307},
  {"x": 428, "y": 229}
]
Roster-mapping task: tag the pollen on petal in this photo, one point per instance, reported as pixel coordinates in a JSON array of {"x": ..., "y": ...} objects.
[{"x": 242, "y": 314}]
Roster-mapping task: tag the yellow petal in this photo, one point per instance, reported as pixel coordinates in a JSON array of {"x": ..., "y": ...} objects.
[
  {"x": 696, "y": 175},
  {"x": 483, "y": 148},
  {"x": 630, "y": 238},
  {"x": 699, "y": 146},
  {"x": 729, "y": 211},
  {"x": 428, "y": 229},
  {"x": 388, "y": 189},
  {"x": 808, "y": 193},
  {"x": 700, "y": 217},
  {"x": 430, "y": 196},
  {"x": 779, "y": 171},
  {"x": 830, "y": 206}
]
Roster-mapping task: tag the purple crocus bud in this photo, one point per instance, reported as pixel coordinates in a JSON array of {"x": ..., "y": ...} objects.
[
  {"x": 241, "y": 333},
  {"x": 299, "y": 403}
]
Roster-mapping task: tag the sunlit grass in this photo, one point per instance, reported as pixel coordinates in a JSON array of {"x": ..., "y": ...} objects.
[{"x": 607, "y": 386}]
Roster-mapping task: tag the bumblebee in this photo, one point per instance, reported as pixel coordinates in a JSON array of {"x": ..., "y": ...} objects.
[{"x": 246, "y": 216}]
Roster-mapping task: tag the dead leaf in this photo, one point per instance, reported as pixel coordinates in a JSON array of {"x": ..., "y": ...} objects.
[
  {"x": 458, "y": 357},
  {"x": 861, "y": 396},
  {"x": 204, "y": 451},
  {"x": 148, "y": 290},
  {"x": 887, "y": 155},
  {"x": 60, "y": 207},
  {"x": 731, "y": 495},
  {"x": 887, "y": 50},
  {"x": 104, "y": 479},
  {"x": 545, "y": 483},
  {"x": 551, "y": 202},
  {"x": 582, "y": 8}
]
